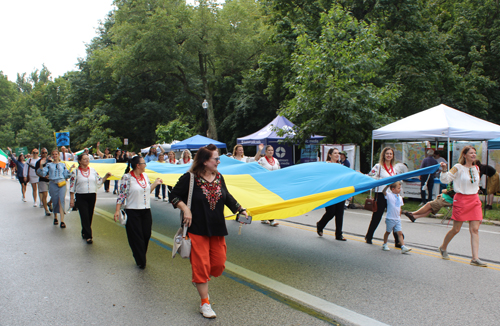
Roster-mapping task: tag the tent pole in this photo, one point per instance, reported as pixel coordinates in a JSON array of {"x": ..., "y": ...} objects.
[
  {"x": 448, "y": 150},
  {"x": 371, "y": 163},
  {"x": 486, "y": 186}
]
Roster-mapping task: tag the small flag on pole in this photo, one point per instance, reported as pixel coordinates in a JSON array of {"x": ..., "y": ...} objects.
[{"x": 3, "y": 159}]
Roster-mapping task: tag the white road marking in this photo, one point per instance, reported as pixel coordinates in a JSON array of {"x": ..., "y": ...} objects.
[{"x": 297, "y": 295}]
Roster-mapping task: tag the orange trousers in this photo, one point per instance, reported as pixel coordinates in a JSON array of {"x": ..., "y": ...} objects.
[{"x": 208, "y": 257}]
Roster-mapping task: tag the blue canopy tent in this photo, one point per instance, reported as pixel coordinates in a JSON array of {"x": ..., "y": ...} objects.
[
  {"x": 494, "y": 143},
  {"x": 196, "y": 142},
  {"x": 268, "y": 136}
]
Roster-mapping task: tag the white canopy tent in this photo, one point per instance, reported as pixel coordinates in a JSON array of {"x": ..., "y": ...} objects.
[{"x": 440, "y": 123}]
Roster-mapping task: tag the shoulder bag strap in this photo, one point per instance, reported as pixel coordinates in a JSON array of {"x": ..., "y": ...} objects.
[
  {"x": 191, "y": 186},
  {"x": 190, "y": 196}
]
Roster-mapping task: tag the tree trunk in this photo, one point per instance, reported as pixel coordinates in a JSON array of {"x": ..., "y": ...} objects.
[{"x": 212, "y": 128}]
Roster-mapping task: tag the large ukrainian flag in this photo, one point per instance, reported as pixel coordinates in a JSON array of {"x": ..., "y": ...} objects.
[{"x": 280, "y": 194}]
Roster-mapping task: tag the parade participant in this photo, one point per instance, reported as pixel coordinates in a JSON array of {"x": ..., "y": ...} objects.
[
  {"x": 83, "y": 185},
  {"x": 239, "y": 154},
  {"x": 43, "y": 183},
  {"x": 205, "y": 220},
  {"x": 64, "y": 155},
  {"x": 270, "y": 163},
  {"x": 343, "y": 159},
  {"x": 120, "y": 157},
  {"x": 57, "y": 174},
  {"x": 383, "y": 169},
  {"x": 153, "y": 153},
  {"x": 186, "y": 157},
  {"x": 13, "y": 168},
  {"x": 492, "y": 182},
  {"x": 171, "y": 158},
  {"x": 32, "y": 176},
  {"x": 393, "y": 217},
  {"x": 466, "y": 203},
  {"x": 335, "y": 210},
  {"x": 445, "y": 199},
  {"x": 427, "y": 180},
  {"x": 161, "y": 159},
  {"x": 135, "y": 189},
  {"x": 22, "y": 171},
  {"x": 105, "y": 155}
]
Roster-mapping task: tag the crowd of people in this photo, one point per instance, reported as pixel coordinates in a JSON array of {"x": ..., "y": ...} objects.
[{"x": 205, "y": 220}]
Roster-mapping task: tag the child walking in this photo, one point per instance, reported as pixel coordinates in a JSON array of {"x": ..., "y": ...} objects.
[{"x": 393, "y": 217}]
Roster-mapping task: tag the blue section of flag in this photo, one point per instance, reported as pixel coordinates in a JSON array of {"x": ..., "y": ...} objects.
[{"x": 62, "y": 138}]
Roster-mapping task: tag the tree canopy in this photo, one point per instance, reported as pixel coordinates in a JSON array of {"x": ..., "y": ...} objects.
[{"x": 333, "y": 67}]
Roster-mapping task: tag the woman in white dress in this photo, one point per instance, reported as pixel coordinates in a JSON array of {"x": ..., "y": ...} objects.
[
  {"x": 272, "y": 164},
  {"x": 33, "y": 177}
]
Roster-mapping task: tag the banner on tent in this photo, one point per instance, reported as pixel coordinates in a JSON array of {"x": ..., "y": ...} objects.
[
  {"x": 309, "y": 154},
  {"x": 282, "y": 152}
]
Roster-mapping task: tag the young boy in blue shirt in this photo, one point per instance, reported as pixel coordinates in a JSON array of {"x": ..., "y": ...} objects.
[{"x": 393, "y": 217}]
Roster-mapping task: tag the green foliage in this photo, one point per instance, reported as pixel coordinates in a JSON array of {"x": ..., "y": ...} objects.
[
  {"x": 37, "y": 131},
  {"x": 174, "y": 130},
  {"x": 334, "y": 67},
  {"x": 335, "y": 92}
]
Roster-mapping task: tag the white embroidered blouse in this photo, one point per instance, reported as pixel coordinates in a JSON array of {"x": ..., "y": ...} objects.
[
  {"x": 465, "y": 180},
  {"x": 81, "y": 183}
]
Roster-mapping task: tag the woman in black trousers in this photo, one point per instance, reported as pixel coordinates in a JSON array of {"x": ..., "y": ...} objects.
[
  {"x": 335, "y": 210},
  {"x": 383, "y": 169},
  {"x": 134, "y": 193},
  {"x": 84, "y": 183}
]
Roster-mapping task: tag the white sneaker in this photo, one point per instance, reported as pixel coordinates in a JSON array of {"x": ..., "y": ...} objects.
[
  {"x": 156, "y": 198},
  {"x": 24, "y": 199},
  {"x": 385, "y": 247},
  {"x": 35, "y": 205},
  {"x": 405, "y": 249},
  {"x": 273, "y": 223},
  {"x": 206, "y": 311}
]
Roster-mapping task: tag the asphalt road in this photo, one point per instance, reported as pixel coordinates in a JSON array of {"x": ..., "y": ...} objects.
[{"x": 283, "y": 275}]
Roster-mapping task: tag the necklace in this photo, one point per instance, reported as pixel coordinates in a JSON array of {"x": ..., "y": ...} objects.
[
  {"x": 171, "y": 161},
  {"x": 141, "y": 181},
  {"x": 185, "y": 162},
  {"x": 270, "y": 161},
  {"x": 85, "y": 172},
  {"x": 391, "y": 171}
]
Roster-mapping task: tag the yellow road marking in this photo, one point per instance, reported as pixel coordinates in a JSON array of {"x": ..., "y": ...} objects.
[{"x": 422, "y": 252}]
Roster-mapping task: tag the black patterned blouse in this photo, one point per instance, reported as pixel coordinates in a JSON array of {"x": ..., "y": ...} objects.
[{"x": 207, "y": 207}]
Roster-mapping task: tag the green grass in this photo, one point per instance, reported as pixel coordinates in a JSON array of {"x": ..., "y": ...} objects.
[{"x": 412, "y": 205}]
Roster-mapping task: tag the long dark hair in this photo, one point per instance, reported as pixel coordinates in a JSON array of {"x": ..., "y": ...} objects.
[
  {"x": 330, "y": 152},
  {"x": 132, "y": 163},
  {"x": 202, "y": 156}
]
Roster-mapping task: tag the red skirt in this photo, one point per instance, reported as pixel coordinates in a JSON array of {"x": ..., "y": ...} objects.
[{"x": 466, "y": 208}]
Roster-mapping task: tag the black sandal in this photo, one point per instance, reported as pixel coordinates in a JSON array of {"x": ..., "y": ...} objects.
[
  {"x": 63, "y": 225},
  {"x": 89, "y": 241},
  {"x": 56, "y": 221}
]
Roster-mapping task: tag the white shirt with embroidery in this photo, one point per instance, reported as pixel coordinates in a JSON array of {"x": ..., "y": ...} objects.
[
  {"x": 264, "y": 163},
  {"x": 80, "y": 184},
  {"x": 465, "y": 180},
  {"x": 136, "y": 196}
]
